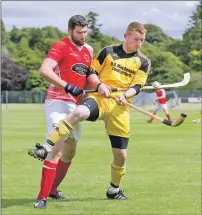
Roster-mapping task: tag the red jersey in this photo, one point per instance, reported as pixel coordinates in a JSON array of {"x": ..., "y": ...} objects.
[
  {"x": 161, "y": 93},
  {"x": 73, "y": 64}
]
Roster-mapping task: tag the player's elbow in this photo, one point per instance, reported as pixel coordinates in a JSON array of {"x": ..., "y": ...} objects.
[{"x": 43, "y": 71}]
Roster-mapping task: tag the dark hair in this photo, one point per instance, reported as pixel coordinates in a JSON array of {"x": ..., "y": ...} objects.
[{"x": 77, "y": 20}]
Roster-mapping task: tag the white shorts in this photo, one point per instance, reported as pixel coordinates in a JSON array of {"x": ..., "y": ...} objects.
[
  {"x": 161, "y": 107},
  {"x": 57, "y": 110}
]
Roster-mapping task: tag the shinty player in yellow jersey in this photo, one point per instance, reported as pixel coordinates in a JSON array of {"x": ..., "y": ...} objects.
[{"x": 122, "y": 66}]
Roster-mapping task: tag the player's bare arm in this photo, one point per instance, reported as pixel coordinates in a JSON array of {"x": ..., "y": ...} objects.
[
  {"x": 132, "y": 91},
  {"x": 46, "y": 71}
]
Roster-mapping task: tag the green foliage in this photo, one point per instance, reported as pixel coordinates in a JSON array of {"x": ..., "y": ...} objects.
[
  {"x": 167, "y": 67},
  {"x": 92, "y": 21},
  {"x": 12, "y": 49},
  {"x": 95, "y": 38},
  {"x": 178, "y": 48},
  {"x": 157, "y": 37},
  {"x": 4, "y": 34},
  {"x": 155, "y": 34},
  {"x": 27, "y": 57},
  {"x": 191, "y": 39},
  {"x": 94, "y": 28},
  {"x": 195, "y": 82},
  {"x": 49, "y": 32},
  {"x": 193, "y": 35},
  {"x": 35, "y": 82},
  {"x": 170, "y": 58},
  {"x": 15, "y": 35},
  {"x": 48, "y": 43},
  {"x": 104, "y": 41},
  {"x": 195, "y": 60}
]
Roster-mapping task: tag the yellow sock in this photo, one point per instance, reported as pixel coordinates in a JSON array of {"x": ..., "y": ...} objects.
[
  {"x": 200, "y": 116},
  {"x": 62, "y": 129},
  {"x": 117, "y": 174}
]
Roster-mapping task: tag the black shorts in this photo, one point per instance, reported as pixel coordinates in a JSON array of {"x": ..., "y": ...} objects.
[
  {"x": 119, "y": 142},
  {"x": 92, "y": 105}
]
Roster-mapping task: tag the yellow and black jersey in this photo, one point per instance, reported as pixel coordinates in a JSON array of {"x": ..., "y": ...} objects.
[{"x": 119, "y": 69}]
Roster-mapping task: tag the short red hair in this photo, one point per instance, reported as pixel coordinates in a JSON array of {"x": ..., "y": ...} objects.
[{"x": 136, "y": 26}]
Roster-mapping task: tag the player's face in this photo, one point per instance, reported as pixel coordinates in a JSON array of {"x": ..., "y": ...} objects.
[
  {"x": 134, "y": 40},
  {"x": 79, "y": 35}
]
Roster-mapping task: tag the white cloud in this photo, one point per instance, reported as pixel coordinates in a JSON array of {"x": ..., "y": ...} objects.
[
  {"x": 155, "y": 10},
  {"x": 174, "y": 16},
  {"x": 191, "y": 3},
  {"x": 145, "y": 13}
]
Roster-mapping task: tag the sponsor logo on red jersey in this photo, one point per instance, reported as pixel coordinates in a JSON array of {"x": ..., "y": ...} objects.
[{"x": 80, "y": 69}]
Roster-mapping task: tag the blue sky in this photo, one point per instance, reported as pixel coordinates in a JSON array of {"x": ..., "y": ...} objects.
[{"x": 171, "y": 16}]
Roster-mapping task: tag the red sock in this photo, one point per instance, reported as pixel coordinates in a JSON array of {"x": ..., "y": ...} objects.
[
  {"x": 168, "y": 116},
  {"x": 61, "y": 171},
  {"x": 48, "y": 175}
]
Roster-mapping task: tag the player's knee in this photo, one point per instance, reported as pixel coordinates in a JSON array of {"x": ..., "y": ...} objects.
[
  {"x": 122, "y": 155},
  {"x": 79, "y": 114},
  {"x": 120, "y": 158},
  {"x": 58, "y": 155},
  {"x": 68, "y": 156},
  {"x": 54, "y": 156},
  {"x": 69, "y": 153}
]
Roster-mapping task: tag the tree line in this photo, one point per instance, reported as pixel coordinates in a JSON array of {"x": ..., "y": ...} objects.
[{"x": 23, "y": 51}]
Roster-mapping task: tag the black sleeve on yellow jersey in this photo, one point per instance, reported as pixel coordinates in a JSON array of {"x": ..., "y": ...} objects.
[
  {"x": 100, "y": 58},
  {"x": 102, "y": 55},
  {"x": 145, "y": 65},
  {"x": 137, "y": 88}
]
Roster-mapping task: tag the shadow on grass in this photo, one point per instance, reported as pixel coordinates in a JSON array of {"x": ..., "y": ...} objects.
[
  {"x": 82, "y": 199},
  {"x": 5, "y": 203},
  {"x": 20, "y": 202}
]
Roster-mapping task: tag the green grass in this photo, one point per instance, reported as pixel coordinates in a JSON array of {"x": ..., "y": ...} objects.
[{"x": 163, "y": 169}]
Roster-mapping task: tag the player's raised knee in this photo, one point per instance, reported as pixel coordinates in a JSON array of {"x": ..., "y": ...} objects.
[{"x": 79, "y": 114}]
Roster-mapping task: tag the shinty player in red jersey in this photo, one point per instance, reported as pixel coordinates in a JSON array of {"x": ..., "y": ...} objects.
[
  {"x": 160, "y": 103},
  {"x": 66, "y": 68}
]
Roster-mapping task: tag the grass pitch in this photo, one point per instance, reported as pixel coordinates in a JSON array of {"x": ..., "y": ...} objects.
[{"x": 163, "y": 169}]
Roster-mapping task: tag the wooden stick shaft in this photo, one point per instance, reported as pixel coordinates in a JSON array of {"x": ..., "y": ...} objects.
[
  {"x": 112, "y": 89},
  {"x": 144, "y": 112},
  {"x": 174, "y": 123}
]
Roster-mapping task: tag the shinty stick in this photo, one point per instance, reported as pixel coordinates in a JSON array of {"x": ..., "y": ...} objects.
[
  {"x": 172, "y": 123},
  {"x": 182, "y": 83}
]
